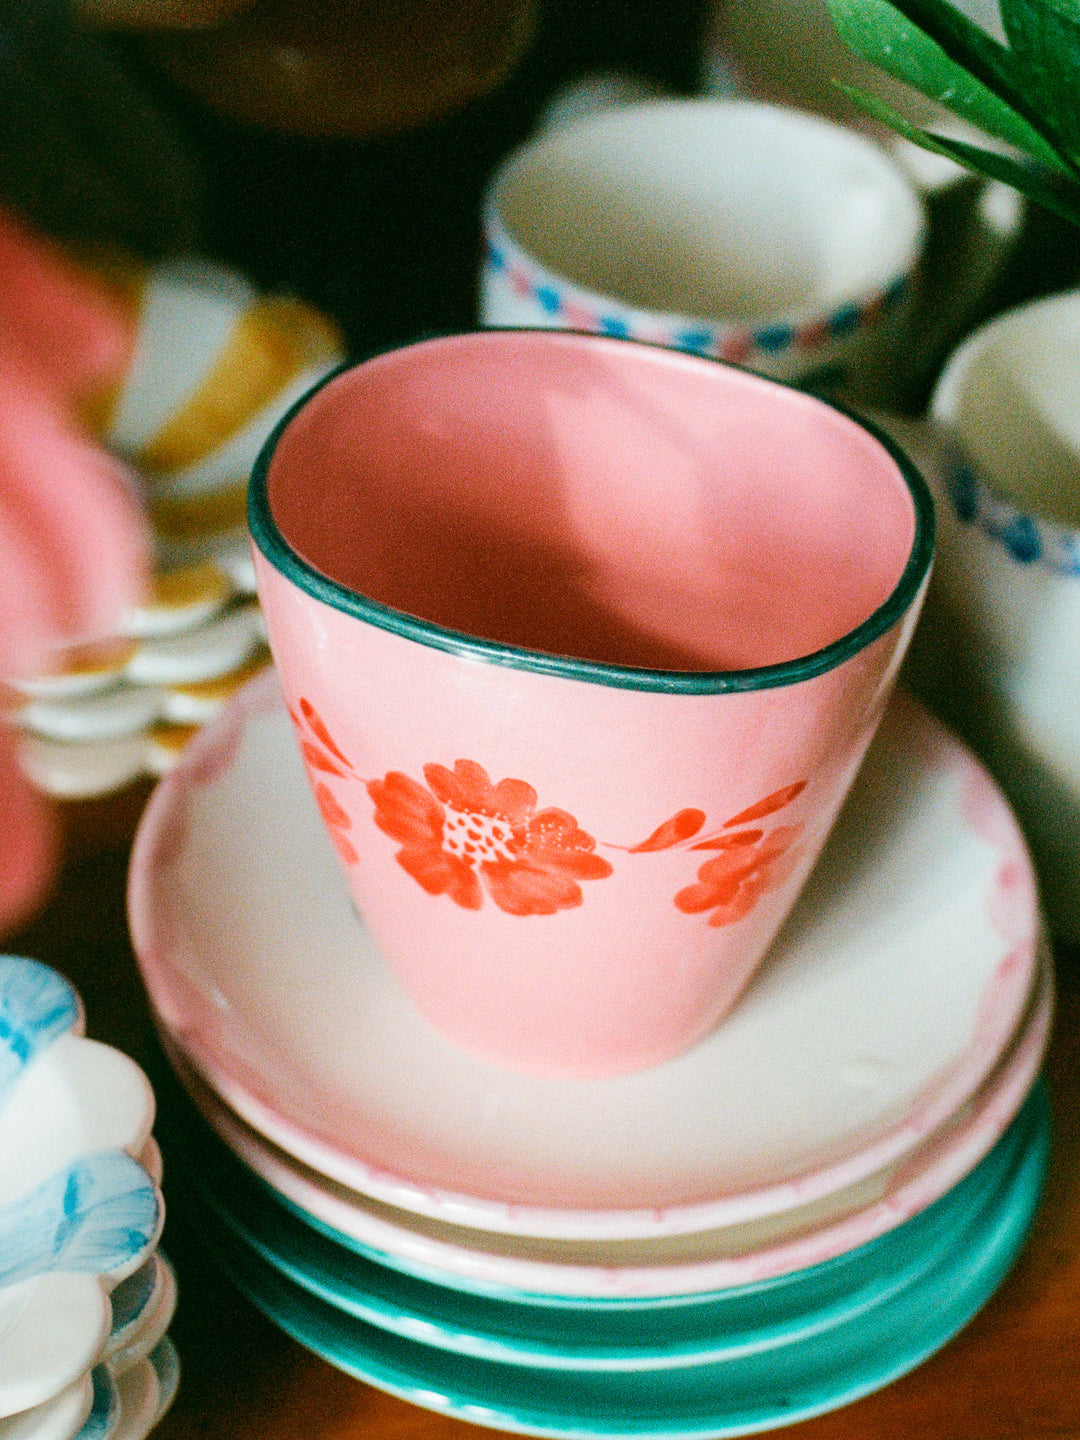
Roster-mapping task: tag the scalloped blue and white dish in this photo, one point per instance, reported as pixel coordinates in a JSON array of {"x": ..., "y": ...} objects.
[
  {"x": 83, "y": 1289},
  {"x": 127, "y": 1405}
]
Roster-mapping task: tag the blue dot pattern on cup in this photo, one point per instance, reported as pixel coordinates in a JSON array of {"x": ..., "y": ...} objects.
[
  {"x": 1029, "y": 539},
  {"x": 578, "y": 311}
]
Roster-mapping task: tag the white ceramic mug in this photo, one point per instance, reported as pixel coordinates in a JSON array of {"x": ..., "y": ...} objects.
[
  {"x": 749, "y": 232},
  {"x": 999, "y": 648}
]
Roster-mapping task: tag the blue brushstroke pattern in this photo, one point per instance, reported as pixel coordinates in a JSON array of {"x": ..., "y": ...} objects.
[
  {"x": 104, "y": 1412},
  {"x": 97, "y": 1216},
  {"x": 37, "y": 1006}
]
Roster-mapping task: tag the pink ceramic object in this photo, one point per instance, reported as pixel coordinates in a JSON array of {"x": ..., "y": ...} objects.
[
  {"x": 889, "y": 999},
  {"x": 659, "y": 1265},
  {"x": 583, "y": 641},
  {"x": 73, "y": 539}
]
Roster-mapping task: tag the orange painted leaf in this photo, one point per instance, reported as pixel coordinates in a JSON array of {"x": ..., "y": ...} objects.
[
  {"x": 344, "y": 847},
  {"x": 672, "y": 832},
  {"x": 332, "y": 812},
  {"x": 319, "y": 730},
  {"x": 776, "y": 801},
  {"x": 318, "y": 761},
  {"x": 728, "y": 842}
]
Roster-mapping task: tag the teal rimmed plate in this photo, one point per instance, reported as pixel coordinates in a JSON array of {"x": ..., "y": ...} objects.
[{"x": 908, "y": 1293}]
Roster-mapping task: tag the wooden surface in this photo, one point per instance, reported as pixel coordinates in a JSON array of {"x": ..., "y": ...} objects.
[{"x": 1012, "y": 1374}]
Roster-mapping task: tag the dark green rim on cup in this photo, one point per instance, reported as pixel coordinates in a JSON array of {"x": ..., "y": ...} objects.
[{"x": 273, "y": 545}]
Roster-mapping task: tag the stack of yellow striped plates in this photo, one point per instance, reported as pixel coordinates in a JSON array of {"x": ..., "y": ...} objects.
[{"x": 214, "y": 365}]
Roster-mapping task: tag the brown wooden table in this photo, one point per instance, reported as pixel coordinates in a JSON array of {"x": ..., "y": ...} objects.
[{"x": 1012, "y": 1374}]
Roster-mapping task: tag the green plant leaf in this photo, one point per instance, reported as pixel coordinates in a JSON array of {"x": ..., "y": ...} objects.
[
  {"x": 883, "y": 35},
  {"x": 1045, "y": 42},
  {"x": 970, "y": 46},
  {"x": 1046, "y": 189},
  {"x": 1070, "y": 9}
]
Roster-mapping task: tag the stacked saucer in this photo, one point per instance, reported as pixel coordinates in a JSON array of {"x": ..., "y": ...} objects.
[
  {"x": 119, "y": 711},
  {"x": 86, "y": 1297},
  {"x": 214, "y": 365},
  {"x": 789, "y": 1215}
]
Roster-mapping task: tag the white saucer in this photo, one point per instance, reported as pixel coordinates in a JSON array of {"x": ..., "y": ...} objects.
[
  {"x": 886, "y": 1003},
  {"x": 59, "y": 1418},
  {"x": 139, "y": 1327},
  {"x": 565, "y": 1272}
]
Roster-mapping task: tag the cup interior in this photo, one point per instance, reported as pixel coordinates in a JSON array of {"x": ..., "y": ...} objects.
[
  {"x": 1011, "y": 396},
  {"x": 576, "y": 496},
  {"x": 719, "y": 210}
]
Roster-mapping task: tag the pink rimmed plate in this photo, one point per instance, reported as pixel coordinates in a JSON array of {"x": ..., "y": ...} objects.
[
  {"x": 886, "y": 1004},
  {"x": 519, "y": 1266}
]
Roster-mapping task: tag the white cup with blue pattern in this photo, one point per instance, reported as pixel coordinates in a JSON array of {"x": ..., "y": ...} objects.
[
  {"x": 1003, "y": 618},
  {"x": 749, "y": 232}
]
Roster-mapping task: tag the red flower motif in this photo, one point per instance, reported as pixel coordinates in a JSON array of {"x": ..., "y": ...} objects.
[
  {"x": 461, "y": 830},
  {"x": 748, "y": 865}
]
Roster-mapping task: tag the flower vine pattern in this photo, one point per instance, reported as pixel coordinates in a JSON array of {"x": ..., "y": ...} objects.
[{"x": 463, "y": 835}]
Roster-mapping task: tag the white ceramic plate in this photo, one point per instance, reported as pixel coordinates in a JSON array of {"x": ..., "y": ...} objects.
[
  {"x": 522, "y": 1266},
  {"x": 52, "y": 1330},
  {"x": 141, "y": 1322},
  {"x": 60, "y": 1418},
  {"x": 779, "y": 1353},
  {"x": 78, "y": 1213},
  {"x": 77, "y": 1098},
  {"x": 885, "y": 1004},
  {"x": 128, "y": 1405}
]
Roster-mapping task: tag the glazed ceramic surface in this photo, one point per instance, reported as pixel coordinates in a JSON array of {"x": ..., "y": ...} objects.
[
  {"x": 906, "y": 1295},
  {"x": 214, "y": 364},
  {"x": 59, "y": 1418},
  {"x": 129, "y": 712},
  {"x": 142, "y": 1310},
  {"x": 104, "y": 1417},
  {"x": 144, "y": 1393},
  {"x": 612, "y": 1326},
  {"x": 1006, "y": 608},
  {"x": 78, "y": 1212},
  {"x": 127, "y": 1405},
  {"x": 517, "y": 1267},
  {"x": 132, "y": 1382},
  {"x": 512, "y": 715},
  {"x": 52, "y": 1330},
  {"x": 752, "y": 232},
  {"x": 853, "y": 1045}
]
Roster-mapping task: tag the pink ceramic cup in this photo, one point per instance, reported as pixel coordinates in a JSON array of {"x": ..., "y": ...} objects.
[{"x": 584, "y": 641}]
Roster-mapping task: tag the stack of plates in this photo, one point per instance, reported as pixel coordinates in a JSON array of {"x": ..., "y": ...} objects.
[
  {"x": 85, "y": 1295},
  {"x": 125, "y": 709},
  {"x": 789, "y": 1215},
  {"x": 215, "y": 364}
]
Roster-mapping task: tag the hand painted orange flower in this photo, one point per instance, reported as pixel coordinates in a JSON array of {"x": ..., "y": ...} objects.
[
  {"x": 461, "y": 834},
  {"x": 748, "y": 865}
]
